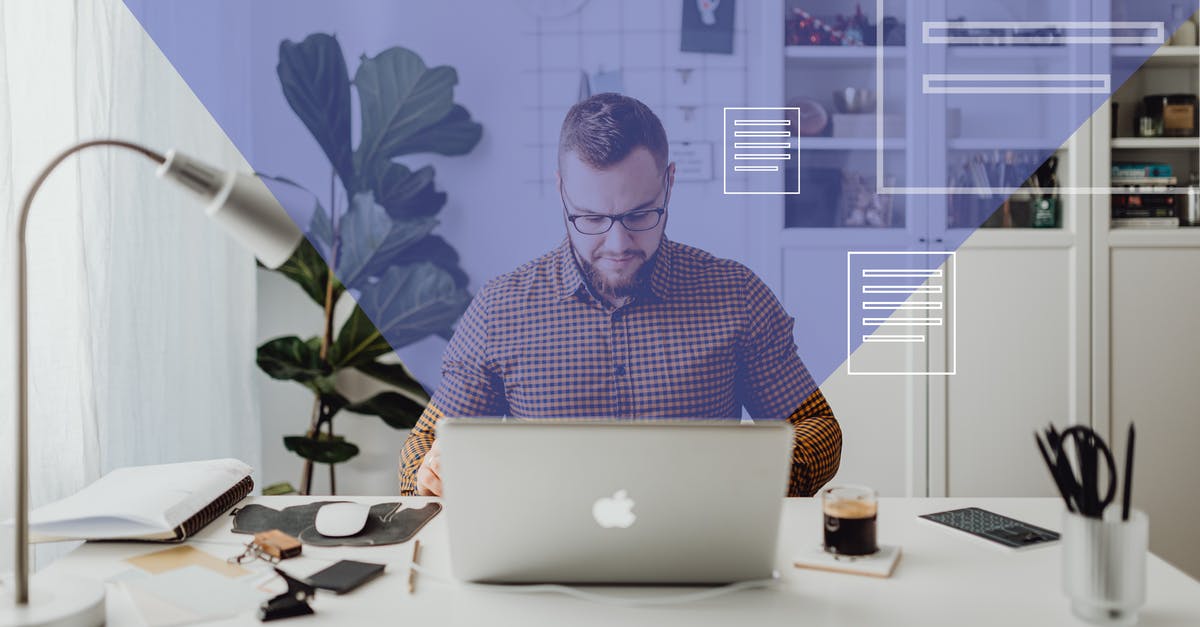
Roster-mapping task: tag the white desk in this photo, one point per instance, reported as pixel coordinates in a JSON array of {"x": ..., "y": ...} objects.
[{"x": 944, "y": 578}]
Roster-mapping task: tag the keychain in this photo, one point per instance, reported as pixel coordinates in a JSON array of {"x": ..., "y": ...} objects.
[{"x": 271, "y": 546}]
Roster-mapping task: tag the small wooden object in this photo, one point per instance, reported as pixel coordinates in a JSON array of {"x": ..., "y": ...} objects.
[{"x": 277, "y": 544}]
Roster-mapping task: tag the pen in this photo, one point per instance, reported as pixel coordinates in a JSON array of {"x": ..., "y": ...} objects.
[
  {"x": 1055, "y": 474},
  {"x": 412, "y": 571},
  {"x": 1128, "y": 491}
]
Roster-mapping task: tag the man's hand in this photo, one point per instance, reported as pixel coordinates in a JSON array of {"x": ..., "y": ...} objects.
[{"x": 429, "y": 480}]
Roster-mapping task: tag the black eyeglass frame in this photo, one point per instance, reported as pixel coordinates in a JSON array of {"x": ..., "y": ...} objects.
[{"x": 621, "y": 216}]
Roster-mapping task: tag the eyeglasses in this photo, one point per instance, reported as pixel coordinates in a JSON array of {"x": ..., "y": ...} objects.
[{"x": 636, "y": 220}]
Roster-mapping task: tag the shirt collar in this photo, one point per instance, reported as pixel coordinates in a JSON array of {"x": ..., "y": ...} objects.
[{"x": 571, "y": 278}]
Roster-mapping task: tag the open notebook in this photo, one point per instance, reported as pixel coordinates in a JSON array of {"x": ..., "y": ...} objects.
[{"x": 165, "y": 503}]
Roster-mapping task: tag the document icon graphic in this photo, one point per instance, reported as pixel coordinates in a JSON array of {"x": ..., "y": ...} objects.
[
  {"x": 900, "y": 308},
  {"x": 761, "y": 150}
]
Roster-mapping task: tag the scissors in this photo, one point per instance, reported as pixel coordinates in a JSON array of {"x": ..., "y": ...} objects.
[{"x": 1083, "y": 487}]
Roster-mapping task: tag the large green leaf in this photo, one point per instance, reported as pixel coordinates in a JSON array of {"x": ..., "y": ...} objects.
[
  {"x": 398, "y": 376},
  {"x": 308, "y": 270},
  {"x": 397, "y": 410},
  {"x": 371, "y": 239},
  {"x": 399, "y": 97},
  {"x": 357, "y": 342},
  {"x": 362, "y": 231},
  {"x": 403, "y": 235},
  {"x": 407, "y": 194},
  {"x": 455, "y": 134},
  {"x": 433, "y": 249},
  {"x": 413, "y": 301},
  {"x": 317, "y": 86},
  {"x": 321, "y": 449},
  {"x": 408, "y": 303},
  {"x": 291, "y": 358}
]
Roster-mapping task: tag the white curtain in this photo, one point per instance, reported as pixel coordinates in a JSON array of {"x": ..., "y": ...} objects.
[{"x": 142, "y": 313}]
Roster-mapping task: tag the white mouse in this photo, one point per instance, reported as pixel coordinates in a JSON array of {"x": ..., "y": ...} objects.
[{"x": 341, "y": 519}]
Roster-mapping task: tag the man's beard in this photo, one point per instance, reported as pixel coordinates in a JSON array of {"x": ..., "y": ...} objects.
[{"x": 622, "y": 288}]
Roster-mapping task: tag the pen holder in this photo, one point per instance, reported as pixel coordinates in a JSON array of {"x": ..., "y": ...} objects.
[{"x": 1104, "y": 567}]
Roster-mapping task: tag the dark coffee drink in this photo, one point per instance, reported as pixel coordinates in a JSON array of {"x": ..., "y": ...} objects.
[{"x": 850, "y": 527}]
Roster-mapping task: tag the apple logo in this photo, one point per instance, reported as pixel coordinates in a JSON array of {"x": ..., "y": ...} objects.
[{"x": 614, "y": 511}]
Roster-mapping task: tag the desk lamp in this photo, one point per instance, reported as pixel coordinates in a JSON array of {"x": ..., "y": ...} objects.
[{"x": 244, "y": 206}]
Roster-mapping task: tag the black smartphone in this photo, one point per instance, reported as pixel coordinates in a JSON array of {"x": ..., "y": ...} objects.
[{"x": 345, "y": 576}]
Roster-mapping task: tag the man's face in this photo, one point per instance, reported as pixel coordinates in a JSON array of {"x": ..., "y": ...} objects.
[{"x": 612, "y": 261}]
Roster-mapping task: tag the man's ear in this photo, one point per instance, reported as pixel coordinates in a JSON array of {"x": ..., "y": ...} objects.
[{"x": 670, "y": 175}]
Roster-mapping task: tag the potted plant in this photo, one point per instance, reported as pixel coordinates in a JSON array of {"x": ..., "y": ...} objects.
[{"x": 378, "y": 241}]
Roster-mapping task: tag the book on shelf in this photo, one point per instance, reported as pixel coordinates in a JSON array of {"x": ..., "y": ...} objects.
[
  {"x": 1145, "y": 181},
  {"x": 1139, "y": 169},
  {"x": 1145, "y": 223},
  {"x": 162, "y": 503},
  {"x": 1144, "y": 212}
]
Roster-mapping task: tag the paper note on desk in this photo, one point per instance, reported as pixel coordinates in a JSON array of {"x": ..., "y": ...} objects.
[
  {"x": 162, "y": 502},
  {"x": 182, "y": 557}
]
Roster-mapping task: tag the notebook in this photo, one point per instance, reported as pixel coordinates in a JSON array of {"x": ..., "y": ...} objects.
[{"x": 162, "y": 503}]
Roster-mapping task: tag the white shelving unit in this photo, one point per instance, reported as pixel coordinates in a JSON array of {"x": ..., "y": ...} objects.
[
  {"x": 1146, "y": 296},
  {"x": 1076, "y": 324},
  {"x": 1155, "y": 143}
]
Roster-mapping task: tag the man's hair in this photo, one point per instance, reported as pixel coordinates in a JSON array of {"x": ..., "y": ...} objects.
[{"x": 603, "y": 129}]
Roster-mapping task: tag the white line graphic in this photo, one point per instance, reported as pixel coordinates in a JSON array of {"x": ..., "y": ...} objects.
[
  {"x": 783, "y": 157},
  {"x": 1016, "y": 83},
  {"x": 893, "y": 338},
  {"x": 1150, "y": 33},
  {"x": 887, "y": 335},
  {"x": 872, "y": 304},
  {"x": 901, "y": 289},
  {"x": 893, "y": 273},
  {"x": 1087, "y": 33},
  {"x": 761, "y": 145},
  {"x": 902, "y": 322},
  {"x": 760, "y": 134}
]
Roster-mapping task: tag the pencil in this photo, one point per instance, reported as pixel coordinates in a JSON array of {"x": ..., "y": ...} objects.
[
  {"x": 412, "y": 571},
  {"x": 1055, "y": 474},
  {"x": 1128, "y": 492}
]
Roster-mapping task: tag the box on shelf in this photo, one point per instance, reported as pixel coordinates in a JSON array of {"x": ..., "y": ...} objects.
[{"x": 849, "y": 125}]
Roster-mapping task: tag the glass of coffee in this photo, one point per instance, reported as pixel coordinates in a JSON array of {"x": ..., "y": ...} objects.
[{"x": 849, "y": 513}]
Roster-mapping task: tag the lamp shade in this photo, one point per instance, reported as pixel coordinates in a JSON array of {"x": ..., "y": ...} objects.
[{"x": 241, "y": 204}]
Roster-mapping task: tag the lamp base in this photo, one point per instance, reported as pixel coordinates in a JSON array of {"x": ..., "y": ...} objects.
[{"x": 55, "y": 601}]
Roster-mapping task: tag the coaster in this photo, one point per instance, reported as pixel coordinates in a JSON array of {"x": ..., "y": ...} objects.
[{"x": 879, "y": 564}]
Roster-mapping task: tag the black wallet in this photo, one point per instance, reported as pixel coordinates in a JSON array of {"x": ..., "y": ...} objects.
[{"x": 345, "y": 576}]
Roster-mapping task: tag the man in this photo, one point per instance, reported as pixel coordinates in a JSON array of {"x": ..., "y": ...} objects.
[{"x": 618, "y": 321}]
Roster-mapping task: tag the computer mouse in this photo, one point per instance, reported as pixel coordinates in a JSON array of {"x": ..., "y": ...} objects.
[{"x": 341, "y": 519}]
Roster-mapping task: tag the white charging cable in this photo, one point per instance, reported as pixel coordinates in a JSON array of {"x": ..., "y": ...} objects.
[{"x": 688, "y": 597}]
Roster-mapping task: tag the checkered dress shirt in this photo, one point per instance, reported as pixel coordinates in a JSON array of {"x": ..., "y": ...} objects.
[{"x": 705, "y": 339}]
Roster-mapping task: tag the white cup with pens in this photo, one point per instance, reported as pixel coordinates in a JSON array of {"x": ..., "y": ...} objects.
[{"x": 1104, "y": 548}]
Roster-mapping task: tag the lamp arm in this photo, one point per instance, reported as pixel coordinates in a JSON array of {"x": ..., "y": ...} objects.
[{"x": 21, "y": 567}]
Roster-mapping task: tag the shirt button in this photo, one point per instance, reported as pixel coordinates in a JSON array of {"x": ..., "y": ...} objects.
[{"x": 620, "y": 369}]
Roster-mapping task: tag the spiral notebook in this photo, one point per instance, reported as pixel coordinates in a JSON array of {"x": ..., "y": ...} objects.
[{"x": 162, "y": 503}]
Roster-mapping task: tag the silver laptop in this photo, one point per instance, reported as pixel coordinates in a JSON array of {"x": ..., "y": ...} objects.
[{"x": 613, "y": 502}]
